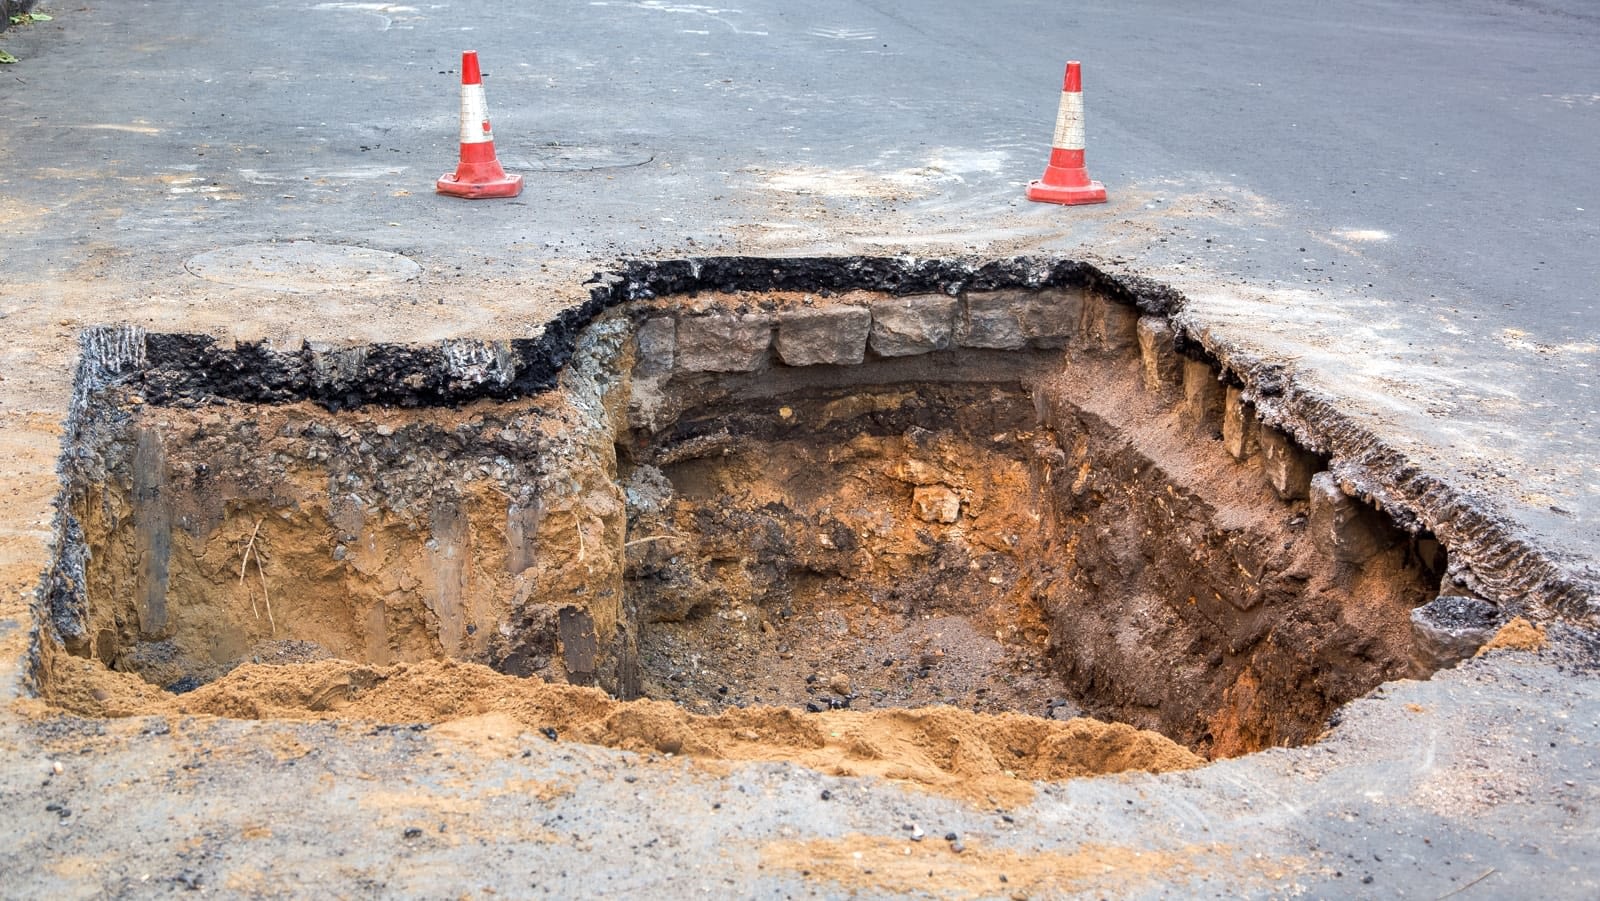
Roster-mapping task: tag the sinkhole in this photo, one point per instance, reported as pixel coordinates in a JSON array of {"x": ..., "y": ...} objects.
[{"x": 733, "y": 485}]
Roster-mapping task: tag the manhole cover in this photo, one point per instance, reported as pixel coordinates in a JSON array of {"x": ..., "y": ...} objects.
[
  {"x": 554, "y": 156},
  {"x": 301, "y": 266}
]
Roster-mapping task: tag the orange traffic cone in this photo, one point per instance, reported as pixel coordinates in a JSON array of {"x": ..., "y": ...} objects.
[
  {"x": 479, "y": 173},
  {"x": 1066, "y": 178}
]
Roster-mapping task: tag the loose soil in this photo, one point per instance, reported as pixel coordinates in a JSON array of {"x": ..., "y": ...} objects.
[
  {"x": 900, "y": 866},
  {"x": 984, "y": 759},
  {"x": 1516, "y": 635}
]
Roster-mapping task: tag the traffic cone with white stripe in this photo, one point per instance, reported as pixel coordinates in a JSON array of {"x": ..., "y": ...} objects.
[
  {"x": 1066, "y": 178},
  {"x": 479, "y": 174}
]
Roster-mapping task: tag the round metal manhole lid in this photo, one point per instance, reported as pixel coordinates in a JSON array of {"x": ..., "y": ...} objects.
[
  {"x": 554, "y": 156},
  {"x": 300, "y": 267}
]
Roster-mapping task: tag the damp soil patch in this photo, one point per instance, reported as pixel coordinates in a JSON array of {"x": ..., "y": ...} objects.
[{"x": 907, "y": 519}]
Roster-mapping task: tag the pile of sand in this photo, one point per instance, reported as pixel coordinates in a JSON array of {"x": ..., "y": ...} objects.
[
  {"x": 990, "y": 759},
  {"x": 1516, "y": 635}
]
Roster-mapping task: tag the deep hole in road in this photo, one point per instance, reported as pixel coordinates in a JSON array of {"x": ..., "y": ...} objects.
[{"x": 1009, "y": 493}]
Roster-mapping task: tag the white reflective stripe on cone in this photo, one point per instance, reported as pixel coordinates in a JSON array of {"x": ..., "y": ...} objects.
[
  {"x": 1069, "y": 122},
  {"x": 474, "y": 115}
]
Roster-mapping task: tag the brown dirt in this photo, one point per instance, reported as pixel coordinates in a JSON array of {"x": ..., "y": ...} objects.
[
  {"x": 1516, "y": 635},
  {"x": 790, "y": 562},
  {"x": 980, "y": 758},
  {"x": 1201, "y": 605},
  {"x": 894, "y": 864},
  {"x": 375, "y": 536}
]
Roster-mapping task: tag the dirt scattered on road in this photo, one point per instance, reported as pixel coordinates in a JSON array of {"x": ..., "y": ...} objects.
[
  {"x": 1516, "y": 635},
  {"x": 969, "y": 869}
]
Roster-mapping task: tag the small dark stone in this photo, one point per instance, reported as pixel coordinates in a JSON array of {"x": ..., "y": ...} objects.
[
  {"x": 811, "y": 679},
  {"x": 549, "y": 732},
  {"x": 950, "y": 836},
  {"x": 1366, "y": 880},
  {"x": 813, "y": 707},
  {"x": 185, "y": 685},
  {"x": 827, "y": 795},
  {"x": 888, "y": 661},
  {"x": 412, "y": 832},
  {"x": 722, "y": 689}
]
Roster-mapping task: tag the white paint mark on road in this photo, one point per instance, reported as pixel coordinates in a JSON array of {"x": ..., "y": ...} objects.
[
  {"x": 1363, "y": 235},
  {"x": 714, "y": 13},
  {"x": 113, "y": 126},
  {"x": 386, "y": 13},
  {"x": 942, "y": 166},
  {"x": 842, "y": 34},
  {"x": 1573, "y": 99},
  {"x": 349, "y": 173}
]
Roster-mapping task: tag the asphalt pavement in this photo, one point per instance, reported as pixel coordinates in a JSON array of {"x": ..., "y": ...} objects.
[{"x": 1396, "y": 200}]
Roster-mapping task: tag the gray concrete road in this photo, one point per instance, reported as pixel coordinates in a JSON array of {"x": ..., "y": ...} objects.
[{"x": 1396, "y": 200}]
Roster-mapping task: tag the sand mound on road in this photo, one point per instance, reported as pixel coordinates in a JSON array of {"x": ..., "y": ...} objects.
[{"x": 979, "y": 757}]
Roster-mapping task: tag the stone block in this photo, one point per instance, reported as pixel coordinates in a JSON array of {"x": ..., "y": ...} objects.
[
  {"x": 723, "y": 342},
  {"x": 1161, "y": 364},
  {"x": 1202, "y": 395},
  {"x": 1107, "y": 325},
  {"x": 1239, "y": 424},
  {"x": 657, "y": 339},
  {"x": 1344, "y": 527},
  {"x": 1287, "y": 468},
  {"x": 1050, "y": 318},
  {"x": 833, "y": 336},
  {"x": 936, "y": 503},
  {"x": 904, "y": 326},
  {"x": 992, "y": 321},
  {"x": 1011, "y": 320},
  {"x": 1449, "y": 629}
]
